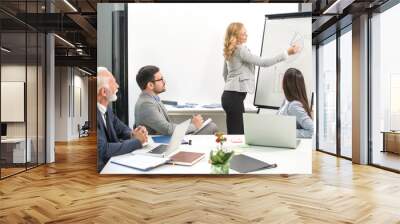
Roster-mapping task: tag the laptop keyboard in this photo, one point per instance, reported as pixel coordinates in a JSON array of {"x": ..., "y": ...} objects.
[{"x": 159, "y": 149}]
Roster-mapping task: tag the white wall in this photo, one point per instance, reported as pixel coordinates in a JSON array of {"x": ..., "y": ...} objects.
[
  {"x": 67, "y": 117},
  {"x": 80, "y": 83},
  {"x": 33, "y": 126},
  {"x": 61, "y": 104},
  {"x": 14, "y": 73},
  {"x": 186, "y": 42},
  {"x": 12, "y": 100}
]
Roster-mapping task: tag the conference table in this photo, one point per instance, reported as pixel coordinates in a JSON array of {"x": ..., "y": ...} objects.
[{"x": 289, "y": 161}]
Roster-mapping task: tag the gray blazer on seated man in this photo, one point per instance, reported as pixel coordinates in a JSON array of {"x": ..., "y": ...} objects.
[
  {"x": 150, "y": 111},
  {"x": 113, "y": 136}
]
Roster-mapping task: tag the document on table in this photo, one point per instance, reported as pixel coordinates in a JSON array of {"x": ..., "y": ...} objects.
[
  {"x": 205, "y": 123},
  {"x": 140, "y": 162}
]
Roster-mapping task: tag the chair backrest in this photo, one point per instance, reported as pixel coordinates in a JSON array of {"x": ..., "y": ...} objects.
[{"x": 86, "y": 125}]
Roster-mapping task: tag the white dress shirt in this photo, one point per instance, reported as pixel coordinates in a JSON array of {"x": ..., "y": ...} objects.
[{"x": 103, "y": 111}]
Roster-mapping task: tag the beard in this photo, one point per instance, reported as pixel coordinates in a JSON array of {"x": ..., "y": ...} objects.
[
  {"x": 160, "y": 91},
  {"x": 112, "y": 97}
]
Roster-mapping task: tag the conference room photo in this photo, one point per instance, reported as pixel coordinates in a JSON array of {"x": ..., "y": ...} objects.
[
  {"x": 203, "y": 111},
  {"x": 205, "y": 89}
]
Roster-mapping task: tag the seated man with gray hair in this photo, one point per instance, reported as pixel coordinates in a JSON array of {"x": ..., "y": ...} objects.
[
  {"x": 113, "y": 136},
  {"x": 150, "y": 111}
]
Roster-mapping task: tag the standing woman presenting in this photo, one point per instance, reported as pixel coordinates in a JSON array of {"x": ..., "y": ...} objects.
[{"x": 239, "y": 75}]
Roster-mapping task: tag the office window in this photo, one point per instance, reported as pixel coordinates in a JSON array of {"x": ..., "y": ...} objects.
[
  {"x": 327, "y": 96},
  {"x": 385, "y": 89},
  {"x": 346, "y": 93},
  {"x": 22, "y": 79},
  {"x": 395, "y": 102},
  {"x": 13, "y": 83}
]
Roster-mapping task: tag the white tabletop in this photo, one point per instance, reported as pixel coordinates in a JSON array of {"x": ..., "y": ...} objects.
[
  {"x": 289, "y": 161},
  {"x": 201, "y": 109}
]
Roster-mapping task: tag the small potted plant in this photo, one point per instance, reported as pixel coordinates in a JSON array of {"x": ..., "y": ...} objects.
[{"x": 219, "y": 158}]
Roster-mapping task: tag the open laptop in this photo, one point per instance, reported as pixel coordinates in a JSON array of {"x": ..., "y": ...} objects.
[
  {"x": 165, "y": 150},
  {"x": 270, "y": 130}
]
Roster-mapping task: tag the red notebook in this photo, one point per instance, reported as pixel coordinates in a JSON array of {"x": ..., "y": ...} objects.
[{"x": 186, "y": 158}]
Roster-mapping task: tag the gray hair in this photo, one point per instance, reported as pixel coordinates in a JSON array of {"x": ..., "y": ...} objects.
[{"x": 102, "y": 80}]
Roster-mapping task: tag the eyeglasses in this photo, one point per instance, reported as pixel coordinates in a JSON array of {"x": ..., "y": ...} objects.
[{"x": 156, "y": 80}]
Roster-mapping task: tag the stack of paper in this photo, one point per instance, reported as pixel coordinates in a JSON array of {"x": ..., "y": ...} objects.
[{"x": 140, "y": 162}]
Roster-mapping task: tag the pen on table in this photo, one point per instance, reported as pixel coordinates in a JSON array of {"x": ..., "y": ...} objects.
[{"x": 187, "y": 142}]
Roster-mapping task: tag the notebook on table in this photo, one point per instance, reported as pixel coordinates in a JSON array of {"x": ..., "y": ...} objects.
[
  {"x": 140, "y": 162},
  {"x": 205, "y": 123},
  {"x": 186, "y": 158},
  {"x": 245, "y": 164}
]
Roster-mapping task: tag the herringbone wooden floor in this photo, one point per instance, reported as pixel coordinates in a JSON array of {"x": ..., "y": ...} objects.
[{"x": 70, "y": 191}]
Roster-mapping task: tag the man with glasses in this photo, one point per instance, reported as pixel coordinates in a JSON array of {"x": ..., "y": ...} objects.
[{"x": 150, "y": 111}]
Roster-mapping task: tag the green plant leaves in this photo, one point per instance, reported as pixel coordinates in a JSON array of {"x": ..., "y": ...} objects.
[{"x": 220, "y": 157}]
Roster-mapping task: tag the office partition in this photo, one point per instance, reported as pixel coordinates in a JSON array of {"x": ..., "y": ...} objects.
[{"x": 22, "y": 61}]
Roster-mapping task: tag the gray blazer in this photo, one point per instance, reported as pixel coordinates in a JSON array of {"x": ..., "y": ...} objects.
[
  {"x": 152, "y": 114},
  {"x": 305, "y": 125},
  {"x": 239, "y": 70}
]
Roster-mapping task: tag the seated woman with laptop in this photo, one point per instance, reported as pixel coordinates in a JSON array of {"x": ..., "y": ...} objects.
[{"x": 296, "y": 103}]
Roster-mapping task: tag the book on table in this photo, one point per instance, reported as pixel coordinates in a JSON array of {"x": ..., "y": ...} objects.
[{"x": 186, "y": 158}]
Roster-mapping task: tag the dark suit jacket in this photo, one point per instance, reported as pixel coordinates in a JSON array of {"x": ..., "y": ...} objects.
[{"x": 116, "y": 141}]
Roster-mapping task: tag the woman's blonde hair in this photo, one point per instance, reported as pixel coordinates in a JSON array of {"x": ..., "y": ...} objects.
[{"x": 231, "y": 39}]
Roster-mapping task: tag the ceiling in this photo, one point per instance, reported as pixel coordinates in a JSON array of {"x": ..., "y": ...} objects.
[{"x": 76, "y": 22}]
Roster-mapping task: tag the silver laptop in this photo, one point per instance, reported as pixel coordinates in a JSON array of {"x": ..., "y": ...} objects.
[
  {"x": 270, "y": 130},
  {"x": 164, "y": 150}
]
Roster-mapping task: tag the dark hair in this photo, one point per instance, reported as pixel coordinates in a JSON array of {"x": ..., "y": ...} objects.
[
  {"x": 295, "y": 88},
  {"x": 146, "y": 75}
]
